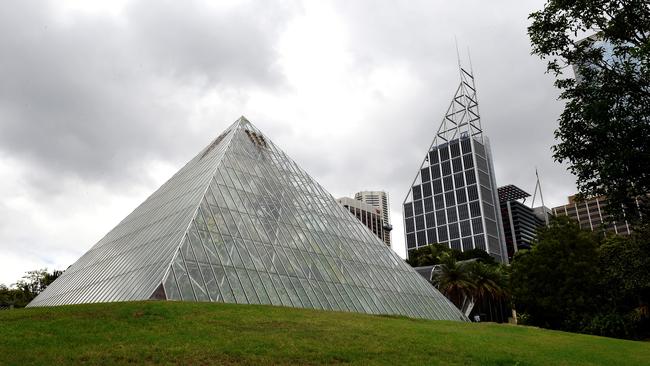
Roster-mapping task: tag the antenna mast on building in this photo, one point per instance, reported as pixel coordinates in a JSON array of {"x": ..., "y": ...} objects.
[{"x": 538, "y": 185}]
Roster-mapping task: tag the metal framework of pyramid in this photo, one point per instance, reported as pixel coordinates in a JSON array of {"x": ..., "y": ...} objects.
[{"x": 242, "y": 223}]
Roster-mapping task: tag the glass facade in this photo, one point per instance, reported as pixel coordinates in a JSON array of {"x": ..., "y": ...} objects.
[
  {"x": 453, "y": 199},
  {"x": 242, "y": 223}
]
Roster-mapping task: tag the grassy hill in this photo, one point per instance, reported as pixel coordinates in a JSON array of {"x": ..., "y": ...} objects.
[{"x": 205, "y": 333}]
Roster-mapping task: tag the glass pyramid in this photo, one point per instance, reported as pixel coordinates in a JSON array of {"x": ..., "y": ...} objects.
[{"x": 242, "y": 223}]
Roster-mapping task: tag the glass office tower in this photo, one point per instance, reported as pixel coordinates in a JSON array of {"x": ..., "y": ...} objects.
[{"x": 453, "y": 199}]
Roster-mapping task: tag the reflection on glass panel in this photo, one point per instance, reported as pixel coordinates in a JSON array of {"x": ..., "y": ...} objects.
[
  {"x": 235, "y": 284},
  {"x": 180, "y": 273},
  {"x": 224, "y": 285},
  {"x": 171, "y": 288}
]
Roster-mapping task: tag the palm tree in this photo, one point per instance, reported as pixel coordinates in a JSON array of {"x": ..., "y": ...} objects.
[
  {"x": 452, "y": 278},
  {"x": 489, "y": 282}
]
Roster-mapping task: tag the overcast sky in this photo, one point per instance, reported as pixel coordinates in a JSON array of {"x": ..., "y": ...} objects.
[{"x": 102, "y": 102}]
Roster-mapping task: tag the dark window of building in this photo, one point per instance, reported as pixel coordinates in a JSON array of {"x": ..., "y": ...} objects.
[
  {"x": 449, "y": 197},
  {"x": 419, "y": 222},
  {"x": 469, "y": 162},
  {"x": 458, "y": 180},
  {"x": 453, "y": 231},
  {"x": 475, "y": 208},
  {"x": 488, "y": 210},
  {"x": 431, "y": 236},
  {"x": 417, "y": 193},
  {"x": 465, "y": 229},
  {"x": 424, "y": 173},
  {"x": 460, "y": 196},
  {"x": 463, "y": 212},
  {"x": 417, "y": 207},
  {"x": 472, "y": 192},
  {"x": 433, "y": 156},
  {"x": 410, "y": 240},
  {"x": 430, "y": 217},
  {"x": 470, "y": 177},
  {"x": 479, "y": 148},
  {"x": 446, "y": 168},
  {"x": 435, "y": 171},
  {"x": 451, "y": 214},
  {"x": 428, "y": 204},
  {"x": 491, "y": 227},
  {"x": 440, "y": 203},
  {"x": 467, "y": 244},
  {"x": 454, "y": 146},
  {"x": 455, "y": 244},
  {"x": 422, "y": 238},
  {"x": 437, "y": 186},
  {"x": 449, "y": 183},
  {"x": 477, "y": 225},
  {"x": 408, "y": 209},
  {"x": 410, "y": 226},
  {"x": 487, "y": 195},
  {"x": 481, "y": 163},
  {"x": 466, "y": 144},
  {"x": 444, "y": 153},
  {"x": 440, "y": 217},
  {"x": 479, "y": 242},
  {"x": 426, "y": 189},
  {"x": 457, "y": 164},
  {"x": 442, "y": 234},
  {"x": 483, "y": 179}
]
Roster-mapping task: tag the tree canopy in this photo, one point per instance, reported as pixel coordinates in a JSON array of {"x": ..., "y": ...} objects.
[
  {"x": 604, "y": 130},
  {"x": 574, "y": 280}
]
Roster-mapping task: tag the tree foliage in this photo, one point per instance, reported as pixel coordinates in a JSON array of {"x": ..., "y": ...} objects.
[
  {"x": 27, "y": 288},
  {"x": 434, "y": 254},
  {"x": 604, "y": 130},
  {"x": 556, "y": 281},
  {"x": 572, "y": 280}
]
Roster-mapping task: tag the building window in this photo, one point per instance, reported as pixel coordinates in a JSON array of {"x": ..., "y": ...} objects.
[
  {"x": 424, "y": 173},
  {"x": 448, "y": 182},
  {"x": 437, "y": 186},
  {"x": 417, "y": 207},
  {"x": 449, "y": 197},
  {"x": 451, "y": 214},
  {"x": 426, "y": 189},
  {"x": 446, "y": 168},
  {"x": 457, "y": 165},
  {"x": 468, "y": 160},
  {"x": 408, "y": 209},
  {"x": 458, "y": 180},
  {"x": 440, "y": 217}
]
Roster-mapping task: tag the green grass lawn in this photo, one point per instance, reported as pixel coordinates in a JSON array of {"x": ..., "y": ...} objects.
[{"x": 206, "y": 333}]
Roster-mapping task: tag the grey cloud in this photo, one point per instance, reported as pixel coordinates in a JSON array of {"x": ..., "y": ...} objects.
[{"x": 94, "y": 97}]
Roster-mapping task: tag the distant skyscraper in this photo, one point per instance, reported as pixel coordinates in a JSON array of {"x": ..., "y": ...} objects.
[
  {"x": 591, "y": 215},
  {"x": 520, "y": 222},
  {"x": 453, "y": 199},
  {"x": 378, "y": 199},
  {"x": 367, "y": 214}
]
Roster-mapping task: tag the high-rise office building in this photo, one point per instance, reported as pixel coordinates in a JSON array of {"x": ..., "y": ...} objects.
[
  {"x": 243, "y": 223},
  {"x": 591, "y": 215},
  {"x": 367, "y": 214},
  {"x": 453, "y": 199},
  {"x": 378, "y": 199},
  {"x": 520, "y": 222}
]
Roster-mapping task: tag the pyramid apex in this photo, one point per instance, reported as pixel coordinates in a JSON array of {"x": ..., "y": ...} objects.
[{"x": 243, "y": 119}]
